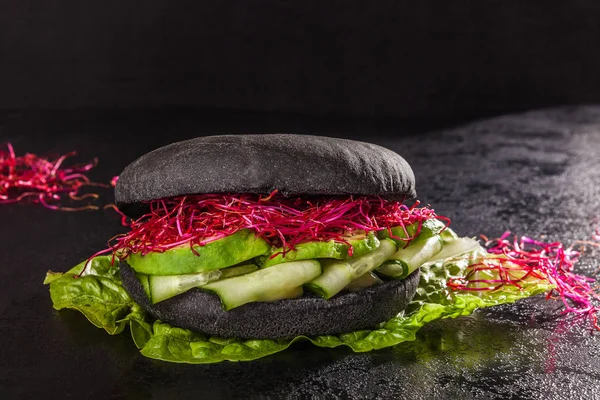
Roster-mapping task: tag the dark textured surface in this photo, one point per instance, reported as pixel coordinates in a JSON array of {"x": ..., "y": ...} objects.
[
  {"x": 387, "y": 57},
  {"x": 536, "y": 174},
  {"x": 261, "y": 163},
  {"x": 309, "y": 315}
]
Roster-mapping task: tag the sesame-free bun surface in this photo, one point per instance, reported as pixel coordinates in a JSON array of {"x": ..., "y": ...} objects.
[{"x": 260, "y": 163}]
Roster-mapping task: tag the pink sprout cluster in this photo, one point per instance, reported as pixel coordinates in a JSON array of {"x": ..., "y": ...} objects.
[
  {"x": 44, "y": 181},
  {"x": 282, "y": 221},
  {"x": 546, "y": 261}
]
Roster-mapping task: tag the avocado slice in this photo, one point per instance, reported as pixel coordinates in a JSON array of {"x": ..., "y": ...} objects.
[
  {"x": 361, "y": 244},
  {"x": 429, "y": 228},
  {"x": 230, "y": 250}
]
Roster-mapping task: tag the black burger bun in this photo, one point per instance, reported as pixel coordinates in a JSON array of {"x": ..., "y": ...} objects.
[
  {"x": 308, "y": 315},
  {"x": 260, "y": 163}
]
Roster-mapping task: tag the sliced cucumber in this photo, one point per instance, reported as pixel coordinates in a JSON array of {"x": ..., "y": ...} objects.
[
  {"x": 394, "y": 269},
  {"x": 336, "y": 276},
  {"x": 162, "y": 287},
  {"x": 408, "y": 259},
  {"x": 230, "y": 250},
  {"x": 362, "y": 282},
  {"x": 457, "y": 247},
  {"x": 361, "y": 244},
  {"x": 266, "y": 284},
  {"x": 448, "y": 235},
  {"x": 237, "y": 270},
  {"x": 339, "y": 274},
  {"x": 275, "y": 295}
]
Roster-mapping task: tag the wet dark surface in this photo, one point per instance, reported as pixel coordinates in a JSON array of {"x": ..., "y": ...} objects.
[{"x": 536, "y": 174}]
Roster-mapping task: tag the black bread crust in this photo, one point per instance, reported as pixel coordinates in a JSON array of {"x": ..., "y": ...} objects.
[
  {"x": 309, "y": 315},
  {"x": 260, "y": 163}
]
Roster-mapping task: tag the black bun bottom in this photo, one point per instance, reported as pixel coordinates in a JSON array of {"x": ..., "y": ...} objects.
[{"x": 309, "y": 315}]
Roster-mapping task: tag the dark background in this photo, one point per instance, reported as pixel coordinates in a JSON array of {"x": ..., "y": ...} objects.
[{"x": 405, "y": 59}]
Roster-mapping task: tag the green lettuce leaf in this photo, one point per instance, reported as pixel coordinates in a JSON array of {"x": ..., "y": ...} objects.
[
  {"x": 97, "y": 293},
  {"x": 100, "y": 296}
]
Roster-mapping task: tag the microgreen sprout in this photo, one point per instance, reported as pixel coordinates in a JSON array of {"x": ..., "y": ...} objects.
[
  {"x": 282, "y": 221},
  {"x": 45, "y": 181},
  {"x": 519, "y": 260}
]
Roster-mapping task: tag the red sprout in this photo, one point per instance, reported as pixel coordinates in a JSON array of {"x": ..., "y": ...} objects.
[
  {"x": 520, "y": 259},
  {"x": 43, "y": 181},
  {"x": 283, "y": 222}
]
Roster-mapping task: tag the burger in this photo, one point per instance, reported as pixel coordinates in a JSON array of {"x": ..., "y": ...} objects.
[
  {"x": 238, "y": 245},
  {"x": 285, "y": 233}
]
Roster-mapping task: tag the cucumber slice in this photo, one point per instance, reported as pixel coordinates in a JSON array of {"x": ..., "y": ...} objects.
[
  {"x": 394, "y": 269},
  {"x": 237, "y": 270},
  {"x": 448, "y": 235},
  {"x": 336, "y": 276},
  {"x": 162, "y": 287},
  {"x": 361, "y": 244},
  {"x": 266, "y": 284},
  {"x": 339, "y": 274},
  {"x": 365, "y": 281},
  {"x": 292, "y": 293},
  {"x": 408, "y": 259},
  {"x": 233, "y": 249},
  {"x": 457, "y": 247}
]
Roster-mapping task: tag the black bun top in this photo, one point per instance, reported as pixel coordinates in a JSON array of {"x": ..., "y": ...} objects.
[
  {"x": 308, "y": 315},
  {"x": 260, "y": 163}
]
